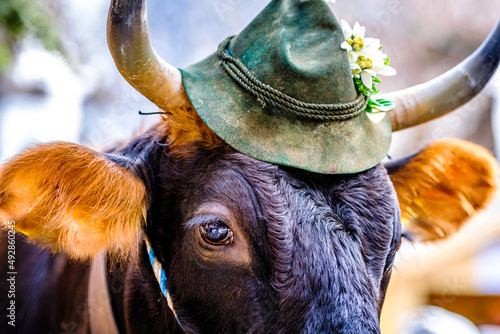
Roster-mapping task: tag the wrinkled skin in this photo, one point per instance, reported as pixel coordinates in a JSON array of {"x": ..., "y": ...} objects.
[{"x": 309, "y": 253}]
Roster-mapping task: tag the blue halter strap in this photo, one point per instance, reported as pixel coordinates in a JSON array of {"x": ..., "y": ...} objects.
[{"x": 161, "y": 278}]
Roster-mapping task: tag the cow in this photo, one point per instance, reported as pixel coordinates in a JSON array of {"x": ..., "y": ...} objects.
[{"x": 178, "y": 232}]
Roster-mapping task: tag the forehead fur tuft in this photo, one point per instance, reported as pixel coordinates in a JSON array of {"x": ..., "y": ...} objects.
[{"x": 184, "y": 129}]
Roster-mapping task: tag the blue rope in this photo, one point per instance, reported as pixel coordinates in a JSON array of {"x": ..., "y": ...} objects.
[{"x": 161, "y": 278}]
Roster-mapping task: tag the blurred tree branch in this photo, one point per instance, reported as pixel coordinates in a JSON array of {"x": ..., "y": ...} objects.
[{"x": 27, "y": 18}]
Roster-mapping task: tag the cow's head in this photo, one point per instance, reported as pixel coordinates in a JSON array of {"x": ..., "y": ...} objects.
[{"x": 247, "y": 245}]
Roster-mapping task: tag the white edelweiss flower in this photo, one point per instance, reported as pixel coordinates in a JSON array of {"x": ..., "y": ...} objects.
[
  {"x": 346, "y": 29},
  {"x": 367, "y": 77},
  {"x": 365, "y": 54},
  {"x": 346, "y": 46},
  {"x": 380, "y": 67},
  {"x": 366, "y": 61},
  {"x": 384, "y": 70},
  {"x": 355, "y": 68},
  {"x": 358, "y": 30},
  {"x": 371, "y": 48},
  {"x": 374, "y": 70},
  {"x": 353, "y": 37},
  {"x": 353, "y": 57},
  {"x": 365, "y": 74}
]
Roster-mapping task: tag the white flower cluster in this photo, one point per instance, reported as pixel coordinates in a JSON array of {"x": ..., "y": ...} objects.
[{"x": 365, "y": 55}]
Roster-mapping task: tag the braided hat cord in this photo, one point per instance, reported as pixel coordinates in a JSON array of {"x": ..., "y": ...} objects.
[{"x": 321, "y": 112}]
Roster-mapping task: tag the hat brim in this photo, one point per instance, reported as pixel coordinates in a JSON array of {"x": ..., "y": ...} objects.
[{"x": 264, "y": 133}]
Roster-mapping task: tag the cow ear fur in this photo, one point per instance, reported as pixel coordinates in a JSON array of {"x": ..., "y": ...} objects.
[
  {"x": 443, "y": 185},
  {"x": 69, "y": 198}
]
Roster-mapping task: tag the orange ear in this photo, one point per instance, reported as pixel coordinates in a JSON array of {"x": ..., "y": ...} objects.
[
  {"x": 69, "y": 198},
  {"x": 443, "y": 185}
]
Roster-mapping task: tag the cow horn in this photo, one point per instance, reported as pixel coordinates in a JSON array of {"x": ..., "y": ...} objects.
[
  {"x": 135, "y": 58},
  {"x": 450, "y": 90}
]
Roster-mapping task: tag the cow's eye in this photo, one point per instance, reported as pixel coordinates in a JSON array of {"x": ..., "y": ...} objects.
[{"x": 216, "y": 233}]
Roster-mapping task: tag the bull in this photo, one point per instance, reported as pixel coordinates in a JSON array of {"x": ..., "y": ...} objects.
[{"x": 178, "y": 232}]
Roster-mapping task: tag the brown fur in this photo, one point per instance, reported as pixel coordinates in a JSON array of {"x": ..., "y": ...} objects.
[
  {"x": 444, "y": 185},
  {"x": 184, "y": 129},
  {"x": 72, "y": 199}
]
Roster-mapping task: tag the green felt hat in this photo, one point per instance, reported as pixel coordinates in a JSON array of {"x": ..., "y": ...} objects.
[{"x": 282, "y": 91}]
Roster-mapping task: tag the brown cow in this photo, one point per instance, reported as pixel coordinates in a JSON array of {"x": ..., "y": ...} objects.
[{"x": 201, "y": 238}]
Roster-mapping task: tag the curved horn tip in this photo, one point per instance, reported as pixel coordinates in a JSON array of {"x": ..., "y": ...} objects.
[{"x": 449, "y": 91}]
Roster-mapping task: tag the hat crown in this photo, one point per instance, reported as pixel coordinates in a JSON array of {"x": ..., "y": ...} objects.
[
  {"x": 282, "y": 91},
  {"x": 294, "y": 46}
]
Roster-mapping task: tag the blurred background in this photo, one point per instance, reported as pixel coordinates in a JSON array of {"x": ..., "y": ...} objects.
[{"x": 58, "y": 82}]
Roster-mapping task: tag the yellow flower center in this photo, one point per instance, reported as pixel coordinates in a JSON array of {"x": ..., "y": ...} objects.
[
  {"x": 364, "y": 62},
  {"x": 356, "y": 42}
]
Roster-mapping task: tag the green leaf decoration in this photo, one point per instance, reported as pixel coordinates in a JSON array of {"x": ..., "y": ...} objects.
[{"x": 379, "y": 105}]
